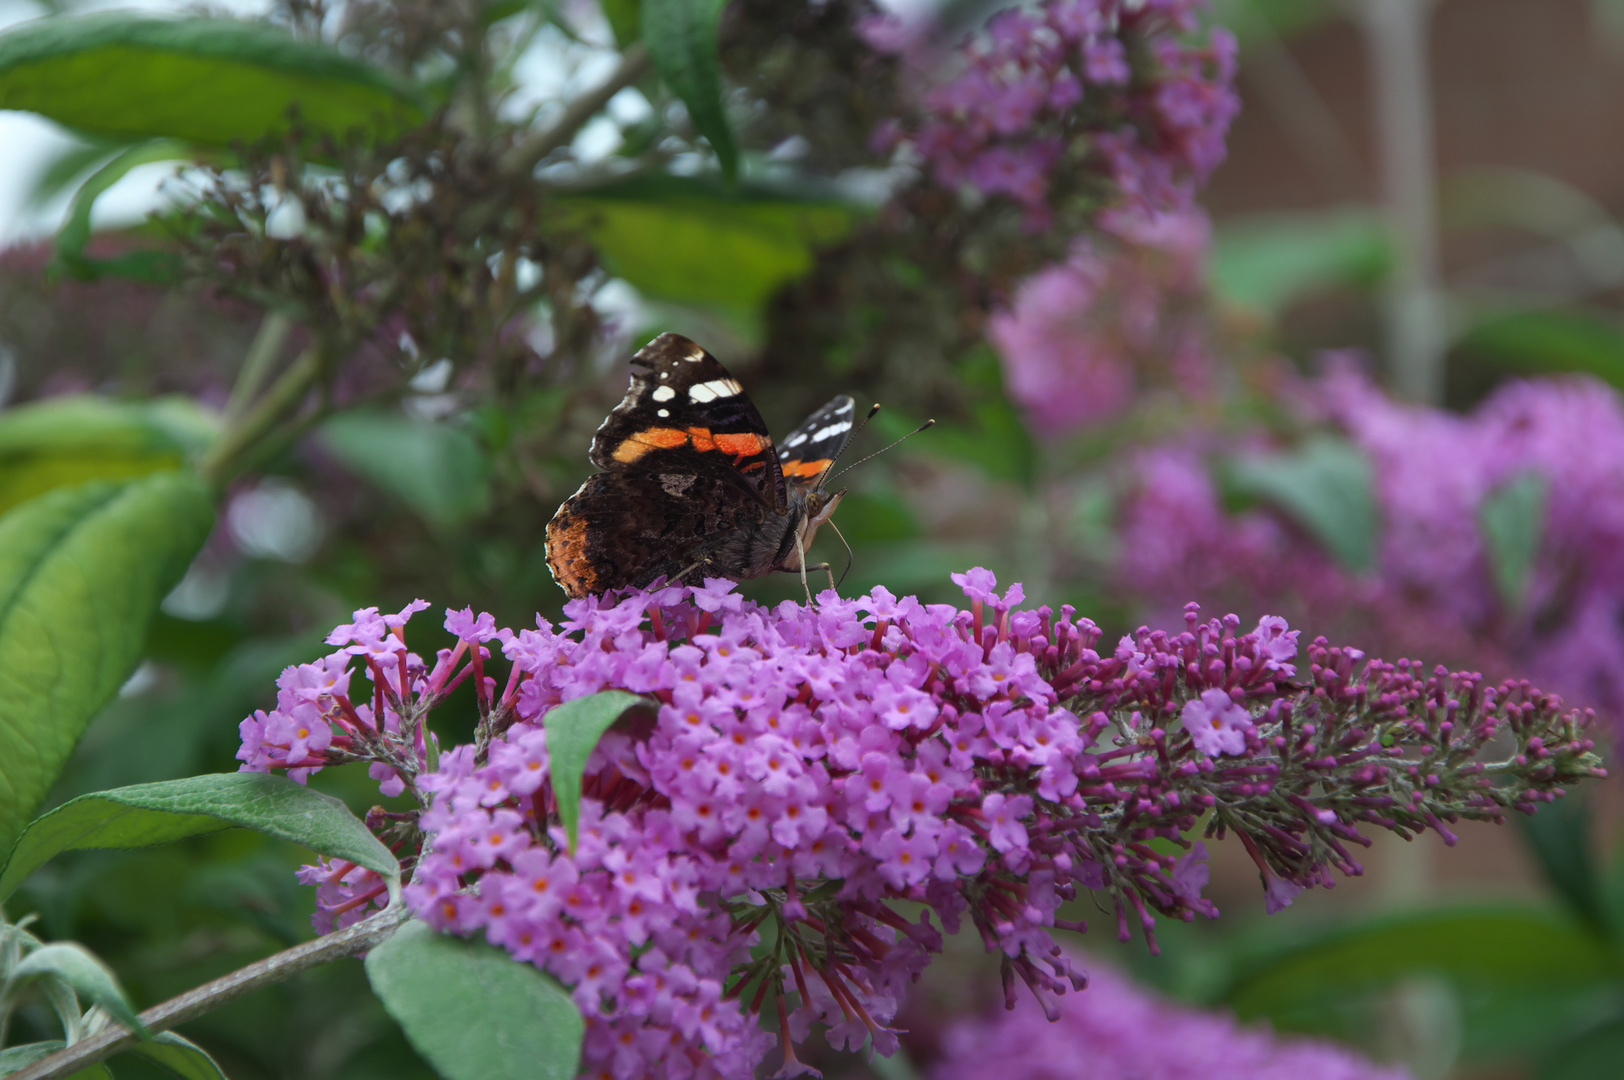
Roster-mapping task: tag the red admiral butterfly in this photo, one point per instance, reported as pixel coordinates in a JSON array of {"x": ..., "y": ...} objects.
[{"x": 692, "y": 486}]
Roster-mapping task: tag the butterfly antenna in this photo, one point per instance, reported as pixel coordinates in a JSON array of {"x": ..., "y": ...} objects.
[
  {"x": 849, "y": 555},
  {"x": 927, "y": 425},
  {"x": 853, "y": 437}
]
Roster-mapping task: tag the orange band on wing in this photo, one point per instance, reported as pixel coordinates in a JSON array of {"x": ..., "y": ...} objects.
[
  {"x": 808, "y": 469},
  {"x": 740, "y": 446},
  {"x": 651, "y": 439}
]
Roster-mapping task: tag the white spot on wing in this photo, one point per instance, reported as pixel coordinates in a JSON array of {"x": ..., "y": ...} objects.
[
  {"x": 663, "y": 413},
  {"x": 833, "y": 430},
  {"x": 795, "y": 440},
  {"x": 664, "y": 393},
  {"x": 716, "y": 388},
  {"x": 696, "y": 356}
]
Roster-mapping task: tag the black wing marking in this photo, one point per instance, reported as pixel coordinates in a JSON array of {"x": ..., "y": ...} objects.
[
  {"x": 683, "y": 412},
  {"x": 810, "y": 450}
]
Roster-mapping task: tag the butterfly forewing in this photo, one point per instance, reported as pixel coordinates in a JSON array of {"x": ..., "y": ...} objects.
[
  {"x": 683, "y": 413},
  {"x": 810, "y": 450}
]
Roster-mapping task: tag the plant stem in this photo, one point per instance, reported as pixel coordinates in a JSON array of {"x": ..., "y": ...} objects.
[
  {"x": 524, "y": 157},
  {"x": 1418, "y": 333},
  {"x": 284, "y": 395},
  {"x": 256, "y": 366},
  {"x": 194, "y": 1003}
]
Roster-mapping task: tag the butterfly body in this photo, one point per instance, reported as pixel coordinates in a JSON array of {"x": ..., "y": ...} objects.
[{"x": 693, "y": 486}]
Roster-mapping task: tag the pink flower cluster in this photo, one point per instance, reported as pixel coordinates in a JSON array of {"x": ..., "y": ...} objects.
[
  {"x": 1434, "y": 471},
  {"x": 806, "y": 768},
  {"x": 1047, "y": 88},
  {"x": 1117, "y": 1031},
  {"x": 1125, "y": 309}
]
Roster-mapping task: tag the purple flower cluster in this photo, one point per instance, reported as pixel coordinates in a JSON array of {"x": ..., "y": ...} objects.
[
  {"x": 1126, "y": 307},
  {"x": 1434, "y": 472},
  {"x": 1118, "y": 1032},
  {"x": 1110, "y": 85},
  {"x": 807, "y": 768}
]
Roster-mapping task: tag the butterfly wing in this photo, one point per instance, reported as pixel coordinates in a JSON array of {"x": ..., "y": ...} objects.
[
  {"x": 810, "y": 450},
  {"x": 684, "y": 414},
  {"x": 627, "y": 529}
]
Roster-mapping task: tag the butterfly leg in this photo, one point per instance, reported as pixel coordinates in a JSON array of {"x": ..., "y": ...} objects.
[{"x": 682, "y": 577}]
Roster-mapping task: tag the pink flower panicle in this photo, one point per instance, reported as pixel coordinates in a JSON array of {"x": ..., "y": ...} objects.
[
  {"x": 1111, "y": 85},
  {"x": 810, "y": 767},
  {"x": 1434, "y": 474},
  {"x": 1124, "y": 1033},
  {"x": 1125, "y": 310}
]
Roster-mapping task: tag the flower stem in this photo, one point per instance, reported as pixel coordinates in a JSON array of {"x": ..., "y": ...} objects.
[
  {"x": 284, "y": 965},
  {"x": 284, "y": 396}
]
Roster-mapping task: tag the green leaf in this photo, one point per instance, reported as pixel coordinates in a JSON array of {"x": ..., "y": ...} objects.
[
  {"x": 71, "y": 239},
  {"x": 1480, "y": 947},
  {"x": 82, "y": 571},
  {"x": 64, "y": 441},
  {"x": 1549, "y": 342},
  {"x": 683, "y": 240},
  {"x": 92, "y": 980},
  {"x": 573, "y": 732},
  {"x": 1560, "y": 834},
  {"x": 681, "y": 38},
  {"x": 147, "y": 814},
  {"x": 180, "y": 1056},
  {"x": 440, "y": 471},
  {"x": 625, "y": 20},
  {"x": 1267, "y": 263},
  {"x": 18, "y": 1058},
  {"x": 67, "y": 165},
  {"x": 1595, "y": 1055},
  {"x": 213, "y": 82},
  {"x": 473, "y": 1011},
  {"x": 1325, "y": 485},
  {"x": 1511, "y": 520}
]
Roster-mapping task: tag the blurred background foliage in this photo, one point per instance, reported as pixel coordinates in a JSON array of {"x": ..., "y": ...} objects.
[{"x": 417, "y": 190}]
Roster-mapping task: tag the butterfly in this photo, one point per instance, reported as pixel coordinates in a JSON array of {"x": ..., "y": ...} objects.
[{"x": 692, "y": 486}]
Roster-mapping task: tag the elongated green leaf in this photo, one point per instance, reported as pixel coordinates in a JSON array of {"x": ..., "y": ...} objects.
[
  {"x": 91, "y": 979},
  {"x": 438, "y": 470},
  {"x": 1473, "y": 947},
  {"x": 681, "y": 37},
  {"x": 1326, "y": 486},
  {"x": 473, "y": 1011},
  {"x": 1546, "y": 342},
  {"x": 65, "y": 441},
  {"x": 1268, "y": 263},
  {"x": 180, "y": 1056},
  {"x": 18, "y": 1058},
  {"x": 75, "y": 231},
  {"x": 148, "y": 814},
  {"x": 686, "y": 241},
  {"x": 1559, "y": 835},
  {"x": 1598, "y": 1054},
  {"x": 82, "y": 571},
  {"x": 1512, "y": 522},
  {"x": 625, "y": 20},
  {"x": 573, "y": 732},
  {"x": 213, "y": 82}
]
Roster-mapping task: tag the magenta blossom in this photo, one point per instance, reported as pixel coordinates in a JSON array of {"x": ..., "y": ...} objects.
[
  {"x": 1073, "y": 87},
  {"x": 820, "y": 792},
  {"x": 1116, "y": 1031}
]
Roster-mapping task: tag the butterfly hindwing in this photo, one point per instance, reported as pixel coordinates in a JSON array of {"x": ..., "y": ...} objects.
[
  {"x": 684, "y": 414},
  {"x": 807, "y": 454}
]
